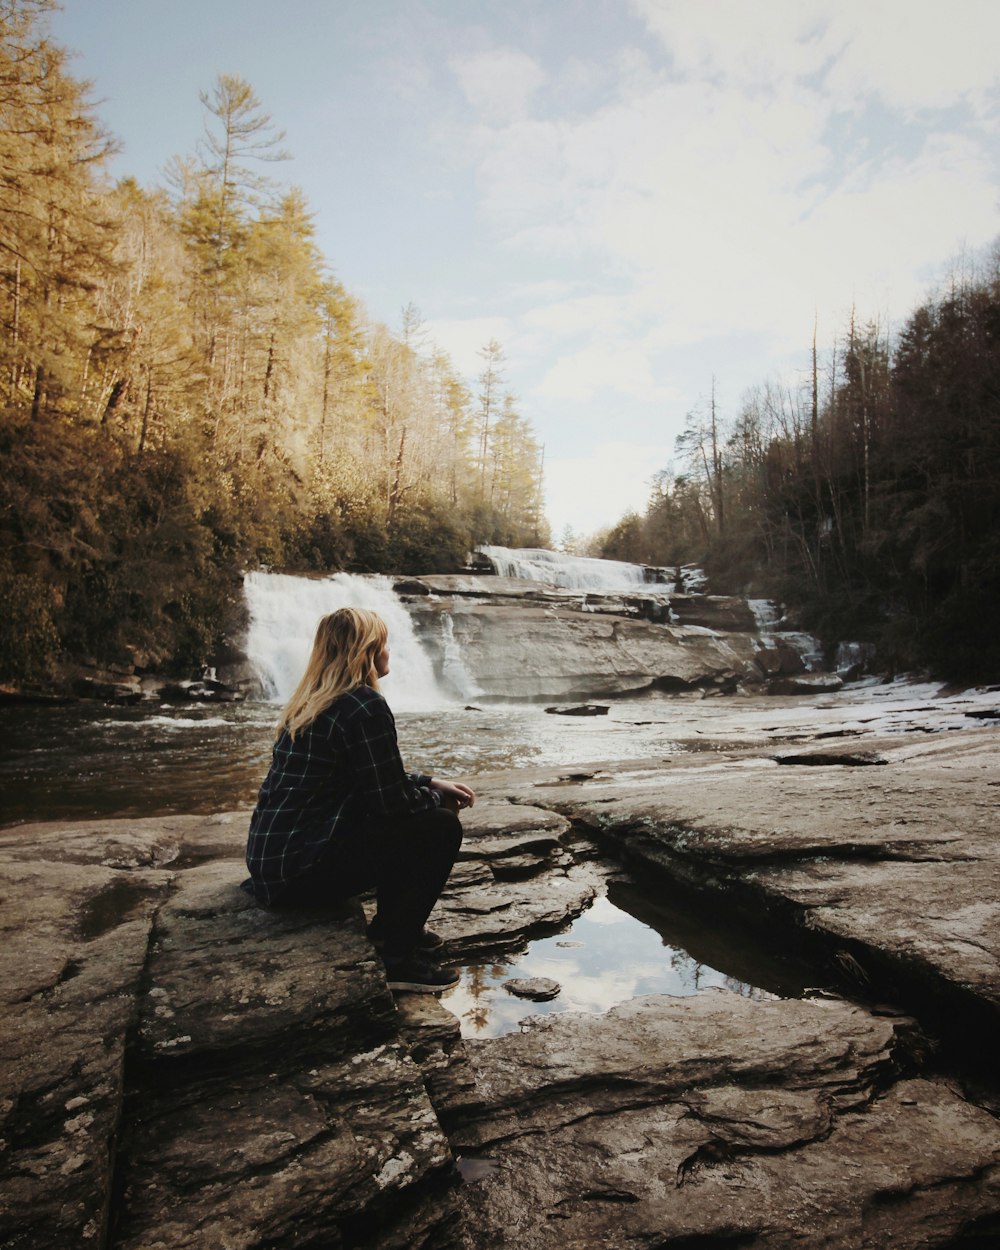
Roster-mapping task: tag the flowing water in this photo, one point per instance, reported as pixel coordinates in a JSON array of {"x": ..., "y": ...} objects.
[
  {"x": 569, "y": 572},
  {"x": 85, "y": 760}
]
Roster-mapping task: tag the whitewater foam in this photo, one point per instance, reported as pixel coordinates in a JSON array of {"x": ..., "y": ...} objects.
[{"x": 284, "y": 612}]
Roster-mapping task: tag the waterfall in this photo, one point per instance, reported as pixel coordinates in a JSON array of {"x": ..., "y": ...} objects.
[
  {"x": 767, "y": 615},
  {"x": 534, "y": 564},
  {"x": 284, "y": 612},
  {"x": 453, "y": 668}
]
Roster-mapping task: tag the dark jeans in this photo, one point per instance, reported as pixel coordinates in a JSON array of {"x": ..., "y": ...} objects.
[{"x": 406, "y": 858}]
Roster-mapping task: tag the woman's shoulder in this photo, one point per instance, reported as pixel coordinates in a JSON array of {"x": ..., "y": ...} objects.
[{"x": 362, "y": 700}]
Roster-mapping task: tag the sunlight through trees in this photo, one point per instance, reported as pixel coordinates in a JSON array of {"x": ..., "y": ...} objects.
[{"x": 188, "y": 391}]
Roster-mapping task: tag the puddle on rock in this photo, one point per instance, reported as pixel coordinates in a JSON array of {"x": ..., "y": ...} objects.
[
  {"x": 625, "y": 945},
  {"x": 474, "y": 1168}
]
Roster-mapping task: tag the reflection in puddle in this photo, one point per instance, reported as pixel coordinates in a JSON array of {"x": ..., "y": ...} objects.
[
  {"x": 608, "y": 956},
  {"x": 472, "y": 1168}
]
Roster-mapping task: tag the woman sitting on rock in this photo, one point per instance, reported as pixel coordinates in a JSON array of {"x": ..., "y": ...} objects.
[{"x": 337, "y": 813}]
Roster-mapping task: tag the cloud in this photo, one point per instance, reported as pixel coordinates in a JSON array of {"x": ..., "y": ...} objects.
[
  {"x": 712, "y": 189},
  {"x": 907, "y": 54},
  {"x": 603, "y": 367},
  {"x": 499, "y": 83},
  {"x": 464, "y": 338},
  {"x": 730, "y": 194},
  {"x": 902, "y": 51}
]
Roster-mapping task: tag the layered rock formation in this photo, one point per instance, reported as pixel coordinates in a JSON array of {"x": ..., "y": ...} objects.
[
  {"x": 181, "y": 1068},
  {"x": 525, "y": 640},
  {"x": 894, "y": 871},
  {"x": 718, "y": 1121}
]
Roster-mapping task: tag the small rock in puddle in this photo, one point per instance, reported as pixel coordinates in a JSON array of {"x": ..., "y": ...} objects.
[
  {"x": 570, "y": 945},
  {"x": 538, "y": 989}
]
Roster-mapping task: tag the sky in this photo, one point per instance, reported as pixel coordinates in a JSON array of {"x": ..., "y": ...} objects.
[{"x": 639, "y": 199}]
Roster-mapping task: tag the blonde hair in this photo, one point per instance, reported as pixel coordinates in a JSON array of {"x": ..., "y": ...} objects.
[{"x": 343, "y": 657}]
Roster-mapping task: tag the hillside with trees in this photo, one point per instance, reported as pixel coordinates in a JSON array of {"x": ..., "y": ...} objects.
[
  {"x": 188, "y": 391},
  {"x": 868, "y": 500}
]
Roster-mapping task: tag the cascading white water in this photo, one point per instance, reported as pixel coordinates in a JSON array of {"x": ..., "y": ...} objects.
[
  {"x": 454, "y": 671},
  {"x": 284, "y": 612},
  {"x": 570, "y": 572},
  {"x": 766, "y": 613}
]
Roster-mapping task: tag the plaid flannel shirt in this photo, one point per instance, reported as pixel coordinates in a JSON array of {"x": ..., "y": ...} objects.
[{"x": 339, "y": 771}]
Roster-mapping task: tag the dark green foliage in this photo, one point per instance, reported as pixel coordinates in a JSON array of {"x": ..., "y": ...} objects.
[
  {"x": 875, "y": 514},
  {"x": 425, "y": 543},
  {"x": 28, "y": 640}
]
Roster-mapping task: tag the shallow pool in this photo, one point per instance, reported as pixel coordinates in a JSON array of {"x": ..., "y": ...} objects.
[{"x": 626, "y": 944}]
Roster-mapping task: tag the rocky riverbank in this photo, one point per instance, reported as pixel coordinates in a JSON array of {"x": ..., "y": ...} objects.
[{"x": 183, "y": 1069}]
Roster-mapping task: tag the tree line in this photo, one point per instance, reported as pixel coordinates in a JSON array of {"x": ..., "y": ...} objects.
[
  {"x": 187, "y": 390},
  {"x": 868, "y": 498}
]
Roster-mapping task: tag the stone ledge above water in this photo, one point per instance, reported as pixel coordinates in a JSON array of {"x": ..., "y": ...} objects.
[
  {"x": 243, "y": 1077},
  {"x": 895, "y": 870}
]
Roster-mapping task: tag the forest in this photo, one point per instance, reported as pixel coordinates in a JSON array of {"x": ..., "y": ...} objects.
[
  {"x": 187, "y": 391},
  {"x": 868, "y": 499}
]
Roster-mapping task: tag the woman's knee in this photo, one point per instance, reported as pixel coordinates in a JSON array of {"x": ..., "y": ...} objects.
[
  {"x": 450, "y": 828},
  {"x": 441, "y": 831}
]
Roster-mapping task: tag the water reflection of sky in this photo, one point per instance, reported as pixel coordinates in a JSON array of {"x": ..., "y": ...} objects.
[{"x": 606, "y": 957}]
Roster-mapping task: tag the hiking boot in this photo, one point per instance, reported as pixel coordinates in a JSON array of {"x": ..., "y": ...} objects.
[
  {"x": 419, "y": 975},
  {"x": 427, "y": 941}
]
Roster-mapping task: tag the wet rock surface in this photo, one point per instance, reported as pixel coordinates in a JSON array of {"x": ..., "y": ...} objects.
[
  {"x": 537, "y": 989},
  {"x": 182, "y": 1068}
]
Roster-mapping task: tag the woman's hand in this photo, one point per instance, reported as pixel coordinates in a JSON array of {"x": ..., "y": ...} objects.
[{"x": 453, "y": 794}]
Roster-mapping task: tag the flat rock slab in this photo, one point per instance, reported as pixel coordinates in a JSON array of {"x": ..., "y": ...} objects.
[
  {"x": 718, "y": 1121},
  {"x": 224, "y": 1071},
  {"x": 181, "y": 1068},
  {"x": 538, "y": 989},
  {"x": 271, "y": 1078},
  {"x": 898, "y": 865}
]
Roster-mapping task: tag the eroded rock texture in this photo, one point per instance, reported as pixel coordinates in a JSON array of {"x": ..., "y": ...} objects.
[
  {"x": 718, "y": 1121},
  {"x": 896, "y": 869},
  {"x": 528, "y": 640},
  {"x": 181, "y": 1068}
]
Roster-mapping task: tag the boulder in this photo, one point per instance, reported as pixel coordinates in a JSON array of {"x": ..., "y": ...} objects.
[
  {"x": 775, "y": 656},
  {"x": 726, "y": 613},
  {"x": 108, "y": 690},
  {"x": 271, "y": 1077},
  {"x": 581, "y": 709},
  {"x": 807, "y": 683}
]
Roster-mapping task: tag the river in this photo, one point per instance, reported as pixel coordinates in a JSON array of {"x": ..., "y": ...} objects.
[{"x": 87, "y": 760}]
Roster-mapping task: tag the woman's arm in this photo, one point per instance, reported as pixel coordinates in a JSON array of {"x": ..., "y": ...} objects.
[
  {"x": 387, "y": 789},
  {"x": 453, "y": 794}
]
